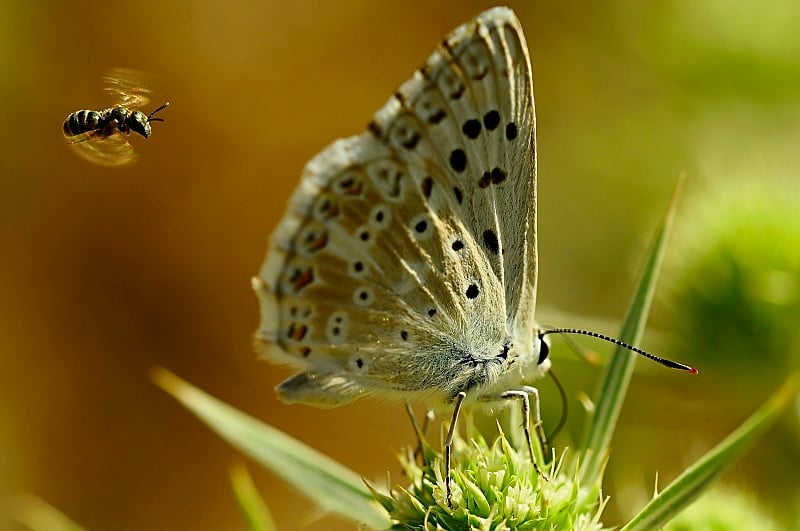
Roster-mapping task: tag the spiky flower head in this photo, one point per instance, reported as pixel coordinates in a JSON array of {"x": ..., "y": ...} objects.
[{"x": 494, "y": 487}]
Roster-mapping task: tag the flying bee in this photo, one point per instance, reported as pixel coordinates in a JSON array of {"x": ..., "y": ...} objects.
[
  {"x": 103, "y": 124},
  {"x": 102, "y": 137}
]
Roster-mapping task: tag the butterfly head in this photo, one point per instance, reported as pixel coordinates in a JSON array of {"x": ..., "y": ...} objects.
[{"x": 497, "y": 370}]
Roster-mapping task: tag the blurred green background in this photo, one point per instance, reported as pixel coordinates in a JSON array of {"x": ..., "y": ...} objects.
[{"x": 110, "y": 272}]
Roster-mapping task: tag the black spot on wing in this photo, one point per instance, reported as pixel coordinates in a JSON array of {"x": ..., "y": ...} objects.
[
  {"x": 458, "y": 160},
  {"x": 511, "y": 131},
  {"x": 471, "y": 128},
  {"x": 491, "y": 120},
  {"x": 427, "y": 186},
  {"x": 491, "y": 242}
]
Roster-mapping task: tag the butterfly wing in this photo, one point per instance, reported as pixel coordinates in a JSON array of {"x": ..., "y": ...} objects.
[{"x": 406, "y": 263}]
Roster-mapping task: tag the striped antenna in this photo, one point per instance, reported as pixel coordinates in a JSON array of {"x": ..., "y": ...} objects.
[{"x": 663, "y": 361}]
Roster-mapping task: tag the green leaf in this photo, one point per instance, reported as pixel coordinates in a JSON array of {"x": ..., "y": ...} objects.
[
  {"x": 38, "y": 515},
  {"x": 614, "y": 384},
  {"x": 251, "y": 504},
  {"x": 697, "y": 478},
  {"x": 329, "y": 484}
]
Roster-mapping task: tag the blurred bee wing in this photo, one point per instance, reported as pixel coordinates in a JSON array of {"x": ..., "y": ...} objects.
[
  {"x": 129, "y": 88},
  {"x": 114, "y": 150}
]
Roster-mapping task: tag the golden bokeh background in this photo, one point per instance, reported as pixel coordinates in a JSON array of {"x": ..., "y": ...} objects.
[{"x": 109, "y": 272}]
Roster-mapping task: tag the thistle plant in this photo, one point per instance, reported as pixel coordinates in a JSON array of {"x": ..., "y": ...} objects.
[{"x": 495, "y": 485}]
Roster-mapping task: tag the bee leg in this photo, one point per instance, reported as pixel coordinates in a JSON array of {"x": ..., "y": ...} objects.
[
  {"x": 448, "y": 445},
  {"x": 523, "y": 396}
]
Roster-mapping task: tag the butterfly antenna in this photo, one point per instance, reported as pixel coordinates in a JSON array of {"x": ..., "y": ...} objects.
[
  {"x": 586, "y": 356},
  {"x": 151, "y": 119},
  {"x": 663, "y": 361},
  {"x": 564, "y": 406}
]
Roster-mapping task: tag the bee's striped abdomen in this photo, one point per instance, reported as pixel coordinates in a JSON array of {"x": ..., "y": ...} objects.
[{"x": 81, "y": 122}]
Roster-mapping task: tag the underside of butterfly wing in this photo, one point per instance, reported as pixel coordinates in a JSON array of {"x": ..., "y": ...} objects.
[{"x": 405, "y": 266}]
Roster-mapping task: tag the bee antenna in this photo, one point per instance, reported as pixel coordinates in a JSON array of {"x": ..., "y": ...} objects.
[
  {"x": 150, "y": 117},
  {"x": 663, "y": 361}
]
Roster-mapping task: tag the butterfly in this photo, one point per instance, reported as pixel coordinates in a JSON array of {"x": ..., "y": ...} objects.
[{"x": 406, "y": 265}]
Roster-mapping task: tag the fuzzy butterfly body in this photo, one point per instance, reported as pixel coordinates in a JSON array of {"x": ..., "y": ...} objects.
[{"x": 405, "y": 266}]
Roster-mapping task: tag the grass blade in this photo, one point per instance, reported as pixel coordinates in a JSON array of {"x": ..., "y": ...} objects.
[
  {"x": 694, "y": 480},
  {"x": 251, "y": 504},
  {"x": 38, "y": 515},
  {"x": 614, "y": 384},
  {"x": 329, "y": 484}
]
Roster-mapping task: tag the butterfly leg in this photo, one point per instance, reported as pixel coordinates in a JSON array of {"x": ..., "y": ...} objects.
[
  {"x": 448, "y": 444},
  {"x": 419, "y": 431},
  {"x": 524, "y": 396},
  {"x": 429, "y": 416},
  {"x": 537, "y": 416}
]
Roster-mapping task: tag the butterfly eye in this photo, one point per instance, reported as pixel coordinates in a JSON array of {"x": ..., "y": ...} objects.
[{"x": 544, "y": 349}]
